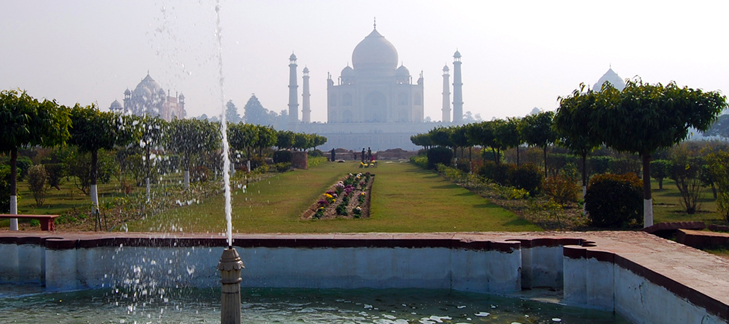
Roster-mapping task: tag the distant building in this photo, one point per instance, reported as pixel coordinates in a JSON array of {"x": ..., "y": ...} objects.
[
  {"x": 148, "y": 98},
  {"x": 373, "y": 103},
  {"x": 610, "y": 76}
]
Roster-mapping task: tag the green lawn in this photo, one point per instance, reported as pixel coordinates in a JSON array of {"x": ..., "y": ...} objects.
[
  {"x": 667, "y": 208},
  {"x": 405, "y": 198}
]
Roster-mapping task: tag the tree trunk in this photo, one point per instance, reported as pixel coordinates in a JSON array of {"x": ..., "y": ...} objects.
[
  {"x": 148, "y": 167},
  {"x": 660, "y": 183},
  {"x": 187, "y": 171},
  {"x": 94, "y": 176},
  {"x": 517, "y": 155},
  {"x": 496, "y": 159},
  {"x": 713, "y": 190},
  {"x": 14, "y": 188},
  {"x": 584, "y": 169},
  {"x": 647, "y": 199},
  {"x": 545, "y": 161}
]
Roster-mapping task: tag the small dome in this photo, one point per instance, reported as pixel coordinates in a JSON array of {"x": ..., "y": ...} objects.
[
  {"x": 115, "y": 106},
  {"x": 292, "y": 57},
  {"x": 610, "y": 76},
  {"x": 127, "y": 92},
  {"x": 182, "y": 96},
  {"x": 445, "y": 68},
  {"x": 347, "y": 71},
  {"x": 306, "y": 70},
  {"x": 457, "y": 54},
  {"x": 374, "y": 52},
  {"x": 402, "y": 71}
]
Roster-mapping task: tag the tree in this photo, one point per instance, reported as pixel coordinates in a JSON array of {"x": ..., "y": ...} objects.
[
  {"x": 267, "y": 137},
  {"x": 93, "y": 130},
  {"x": 660, "y": 169},
  {"x": 284, "y": 139},
  {"x": 37, "y": 183},
  {"x": 482, "y": 134},
  {"x": 643, "y": 118},
  {"x": 720, "y": 127},
  {"x": 150, "y": 132},
  {"x": 302, "y": 141},
  {"x": 189, "y": 138},
  {"x": 537, "y": 130},
  {"x": 27, "y": 122},
  {"x": 506, "y": 135},
  {"x": 231, "y": 112},
  {"x": 459, "y": 139},
  {"x": 255, "y": 113},
  {"x": 572, "y": 123},
  {"x": 422, "y": 140},
  {"x": 516, "y": 138}
]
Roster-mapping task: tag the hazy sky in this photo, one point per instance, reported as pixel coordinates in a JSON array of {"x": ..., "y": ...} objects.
[{"x": 517, "y": 55}]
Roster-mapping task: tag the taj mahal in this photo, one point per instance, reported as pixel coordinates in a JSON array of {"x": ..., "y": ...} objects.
[{"x": 373, "y": 103}]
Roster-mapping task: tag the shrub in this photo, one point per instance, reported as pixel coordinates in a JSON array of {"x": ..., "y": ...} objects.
[
  {"x": 419, "y": 160},
  {"x": 685, "y": 172},
  {"x": 598, "y": 164},
  {"x": 4, "y": 188},
  {"x": 283, "y": 166},
  {"x": 56, "y": 172},
  {"x": 463, "y": 165},
  {"x": 526, "y": 176},
  {"x": 316, "y": 153},
  {"x": 498, "y": 173},
  {"x": 615, "y": 200},
  {"x": 439, "y": 155},
  {"x": 282, "y": 157},
  {"x": 561, "y": 188},
  {"x": 37, "y": 182}
]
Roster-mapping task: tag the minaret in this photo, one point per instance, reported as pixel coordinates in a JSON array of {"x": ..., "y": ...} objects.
[
  {"x": 306, "y": 113},
  {"x": 293, "y": 89},
  {"x": 446, "y": 95},
  {"x": 457, "y": 89}
]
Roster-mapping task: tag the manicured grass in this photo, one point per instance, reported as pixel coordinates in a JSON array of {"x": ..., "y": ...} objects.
[
  {"x": 667, "y": 208},
  {"x": 405, "y": 198}
]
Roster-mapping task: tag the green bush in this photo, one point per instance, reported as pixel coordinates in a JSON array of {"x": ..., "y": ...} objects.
[
  {"x": 463, "y": 165},
  {"x": 561, "y": 188},
  {"x": 437, "y": 155},
  {"x": 23, "y": 164},
  {"x": 498, "y": 173},
  {"x": 598, "y": 164},
  {"x": 37, "y": 176},
  {"x": 316, "y": 153},
  {"x": 526, "y": 176},
  {"x": 282, "y": 157},
  {"x": 4, "y": 188},
  {"x": 283, "y": 166},
  {"x": 419, "y": 160},
  {"x": 615, "y": 200}
]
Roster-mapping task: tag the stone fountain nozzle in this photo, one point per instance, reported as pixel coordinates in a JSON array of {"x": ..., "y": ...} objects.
[{"x": 230, "y": 267}]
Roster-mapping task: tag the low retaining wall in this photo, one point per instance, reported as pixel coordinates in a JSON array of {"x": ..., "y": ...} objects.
[{"x": 635, "y": 274}]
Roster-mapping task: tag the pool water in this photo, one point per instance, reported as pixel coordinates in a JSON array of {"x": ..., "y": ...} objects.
[{"x": 196, "y": 305}]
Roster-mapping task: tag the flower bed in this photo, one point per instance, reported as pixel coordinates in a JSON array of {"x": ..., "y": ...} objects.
[{"x": 348, "y": 198}]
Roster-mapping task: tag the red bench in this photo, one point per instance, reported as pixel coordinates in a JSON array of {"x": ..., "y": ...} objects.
[{"x": 47, "y": 222}]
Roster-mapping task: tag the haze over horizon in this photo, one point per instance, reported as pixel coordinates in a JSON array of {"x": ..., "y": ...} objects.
[{"x": 516, "y": 56}]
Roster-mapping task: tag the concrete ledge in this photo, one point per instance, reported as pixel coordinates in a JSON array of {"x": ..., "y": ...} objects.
[{"x": 702, "y": 239}]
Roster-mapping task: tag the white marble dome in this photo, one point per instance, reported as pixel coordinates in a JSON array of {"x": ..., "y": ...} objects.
[{"x": 375, "y": 52}]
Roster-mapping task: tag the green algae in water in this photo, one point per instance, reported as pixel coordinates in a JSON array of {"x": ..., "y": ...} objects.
[{"x": 197, "y": 305}]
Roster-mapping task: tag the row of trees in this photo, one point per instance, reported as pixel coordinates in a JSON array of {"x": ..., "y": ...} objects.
[
  {"x": 640, "y": 119},
  {"x": 28, "y": 122}
]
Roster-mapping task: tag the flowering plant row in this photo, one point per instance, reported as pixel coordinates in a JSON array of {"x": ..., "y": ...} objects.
[{"x": 348, "y": 198}]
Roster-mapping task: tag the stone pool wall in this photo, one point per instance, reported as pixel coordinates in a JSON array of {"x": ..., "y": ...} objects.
[{"x": 611, "y": 271}]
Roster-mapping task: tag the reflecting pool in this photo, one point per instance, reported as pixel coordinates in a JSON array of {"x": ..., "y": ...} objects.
[{"x": 196, "y": 305}]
